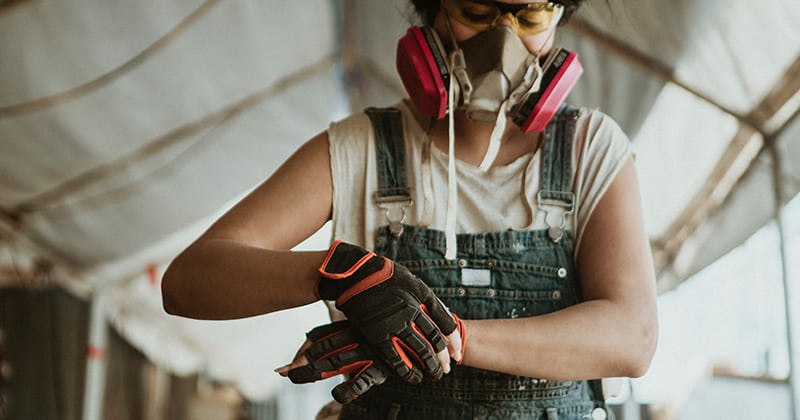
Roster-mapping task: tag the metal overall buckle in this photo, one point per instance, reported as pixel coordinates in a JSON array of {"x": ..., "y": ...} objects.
[
  {"x": 394, "y": 207},
  {"x": 557, "y": 208}
]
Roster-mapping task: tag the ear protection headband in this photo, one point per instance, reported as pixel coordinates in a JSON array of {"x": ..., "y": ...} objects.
[{"x": 422, "y": 64}]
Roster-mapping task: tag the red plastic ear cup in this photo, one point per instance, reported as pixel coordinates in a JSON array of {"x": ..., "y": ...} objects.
[
  {"x": 560, "y": 75},
  {"x": 421, "y": 63}
]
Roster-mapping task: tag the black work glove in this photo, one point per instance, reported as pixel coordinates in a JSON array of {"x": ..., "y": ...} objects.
[
  {"x": 394, "y": 310},
  {"x": 337, "y": 349}
]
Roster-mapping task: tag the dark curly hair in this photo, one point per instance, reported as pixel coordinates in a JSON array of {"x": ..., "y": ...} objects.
[{"x": 427, "y": 9}]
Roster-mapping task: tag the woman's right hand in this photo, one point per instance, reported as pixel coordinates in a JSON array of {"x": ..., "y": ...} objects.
[
  {"x": 336, "y": 349},
  {"x": 299, "y": 360}
]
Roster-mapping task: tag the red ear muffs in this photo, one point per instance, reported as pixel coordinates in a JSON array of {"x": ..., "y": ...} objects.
[
  {"x": 422, "y": 64},
  {"x": 561, "y": 72}
]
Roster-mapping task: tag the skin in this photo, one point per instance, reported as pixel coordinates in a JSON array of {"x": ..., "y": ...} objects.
[{"x": 242, "y": 265}]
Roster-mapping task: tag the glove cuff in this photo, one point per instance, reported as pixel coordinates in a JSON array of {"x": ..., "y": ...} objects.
[
  {"x": 462, "y": 330},
  {"x": 348, "y": 270}
]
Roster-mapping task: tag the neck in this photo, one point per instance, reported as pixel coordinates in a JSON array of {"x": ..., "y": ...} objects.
[{"x": 472, "y": 140}]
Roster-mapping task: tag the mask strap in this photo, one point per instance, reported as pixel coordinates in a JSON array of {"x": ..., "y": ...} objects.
[
  {"x": 537, "y": 81},
  {"x": 499, "y": 129},
  {"x": 458, "y": 66},
  {"x": 527, "y": 87}
]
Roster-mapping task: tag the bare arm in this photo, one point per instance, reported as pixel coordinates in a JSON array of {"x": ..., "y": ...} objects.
[
  {"x": 613, "y": 332},
  {"x": 242, "y": 265}
]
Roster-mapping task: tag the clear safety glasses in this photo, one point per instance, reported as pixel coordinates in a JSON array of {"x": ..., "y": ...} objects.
[{"x": 524, "y": 18}]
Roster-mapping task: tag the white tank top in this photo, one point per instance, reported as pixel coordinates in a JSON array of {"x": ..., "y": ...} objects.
[{"x": 487, "y": 201}]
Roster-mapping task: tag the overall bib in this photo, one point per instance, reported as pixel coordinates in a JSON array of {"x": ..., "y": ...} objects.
[{"x": 507, "y": 274}]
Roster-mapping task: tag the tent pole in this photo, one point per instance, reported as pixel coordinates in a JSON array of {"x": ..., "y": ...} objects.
[
  {"x": 95, "y": 362},
  {"x": 787, "y": 289}
]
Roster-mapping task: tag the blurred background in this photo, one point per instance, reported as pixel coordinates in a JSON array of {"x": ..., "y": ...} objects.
[{"x": 127, "y": 127}]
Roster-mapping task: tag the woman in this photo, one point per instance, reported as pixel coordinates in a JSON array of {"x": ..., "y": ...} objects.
[{"x": 534, "y": 237}]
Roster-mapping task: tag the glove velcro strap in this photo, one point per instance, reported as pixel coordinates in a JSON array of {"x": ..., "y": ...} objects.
[
  {"x": 349, "y": 270},
  {"x": 344, "y": 260},
  {"x": 367, "y": 282}
]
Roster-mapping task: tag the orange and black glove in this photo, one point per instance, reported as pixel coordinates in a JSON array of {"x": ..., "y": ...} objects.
[
  {"x": 337, "y": 349},
  {"x": 393, "y": 310}
]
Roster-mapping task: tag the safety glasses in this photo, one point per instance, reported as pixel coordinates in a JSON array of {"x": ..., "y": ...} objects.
[{"x": 525, "y": 18}]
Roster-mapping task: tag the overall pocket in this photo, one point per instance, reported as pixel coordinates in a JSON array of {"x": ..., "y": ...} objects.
[{"x": 494, "y": 289}]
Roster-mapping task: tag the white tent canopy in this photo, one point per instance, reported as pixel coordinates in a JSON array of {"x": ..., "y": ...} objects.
[{"x": 127, "y": 127}]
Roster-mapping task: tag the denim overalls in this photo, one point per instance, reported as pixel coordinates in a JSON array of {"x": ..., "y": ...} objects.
[{"x": 495, "y": 275}]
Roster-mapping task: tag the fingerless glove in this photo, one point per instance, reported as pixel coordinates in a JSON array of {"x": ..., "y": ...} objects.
[
  {"x": 394, "y": 310},
  {"x": 337, "y": 349}
]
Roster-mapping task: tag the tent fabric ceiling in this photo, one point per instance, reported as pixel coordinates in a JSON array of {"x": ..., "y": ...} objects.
[
  {"x": 126, "y": 127},
  {"x": 112, "y": 169}
]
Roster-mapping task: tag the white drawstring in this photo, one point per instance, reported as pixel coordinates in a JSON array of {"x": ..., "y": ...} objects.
[
  {"x": 493, "y": 149},
  {"x": 427, "y": 183},
  {"x": 458, "y": 70},
  {"x": 452, "y": 184},
  {"x": 496, "y": 137}
]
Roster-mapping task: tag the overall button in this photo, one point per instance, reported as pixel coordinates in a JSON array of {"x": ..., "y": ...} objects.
[
  {"x": 462, "y": 263},
  {"x": 599, "y": 414},
  {"x": 491, "y": 292},
  {"x": 556, "y": 295},
  {"x": 490, "y": 264},
  {"x": 562, "y": 272},
  {"x": 461, "y": 291}
]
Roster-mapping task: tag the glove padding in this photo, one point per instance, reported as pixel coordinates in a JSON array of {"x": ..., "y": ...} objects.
[
  {"x": 337, "y": 349},
  {"x": 394, "y": 310}
]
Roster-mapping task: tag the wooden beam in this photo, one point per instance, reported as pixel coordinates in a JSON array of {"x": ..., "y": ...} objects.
[
  {"x": 649, "y": 65},
  {"x": 729, "y": 170},
  {"x": 724, "y": 177},
  {"x": 178, "y": 135},
  {"x": 38, "y": 104},
  {"x": 781, "y": 103},
  {"x": 758, "y": 128}
]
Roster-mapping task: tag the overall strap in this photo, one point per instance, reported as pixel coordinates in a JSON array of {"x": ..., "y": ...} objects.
[
  {"x": 555, "y": 195},
  {"x": 393, "y": 195},
  {"x": 557, "y": 199}
]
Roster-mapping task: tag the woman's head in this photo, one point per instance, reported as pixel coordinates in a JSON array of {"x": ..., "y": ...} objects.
[
  {"x": 427, "y": 10},
  {"x": 534, "y": 22},
  {"x": 494, "y": 50}
]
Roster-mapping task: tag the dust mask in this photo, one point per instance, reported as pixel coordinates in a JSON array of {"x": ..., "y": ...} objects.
[{"x": 496, "y": 64}]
